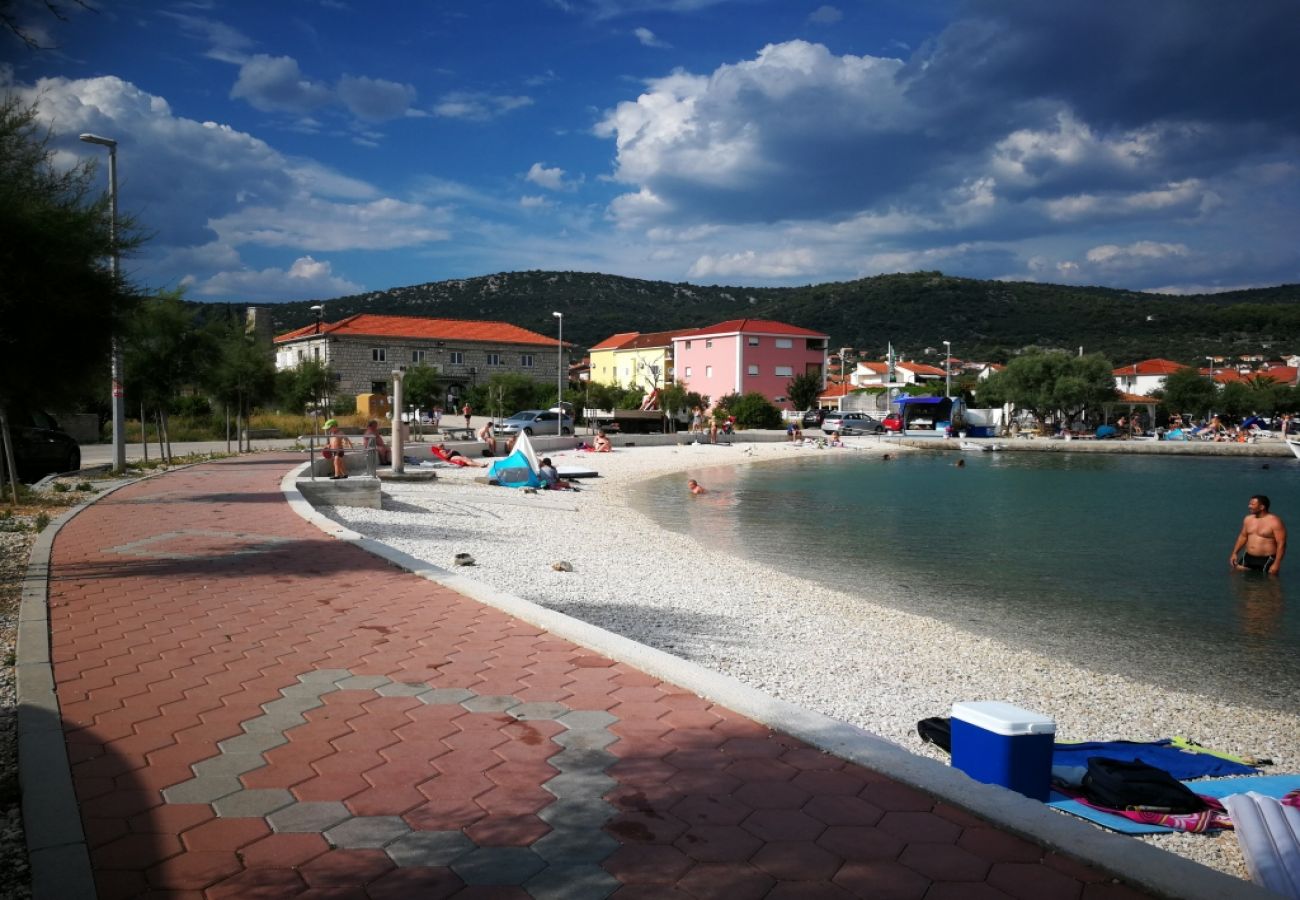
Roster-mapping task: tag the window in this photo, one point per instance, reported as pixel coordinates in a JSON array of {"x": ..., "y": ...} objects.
[
  {"x": 417, "y": 356},
  {"x": 378, "y": 354},
  {"x": 526, "y": 360},
  {"x": 784, "y": 343},
  {"x": 315, "y": 352},
  {"x": 708, "y": 344},
  {"x": 688, "y": 345},
  {"x": 688, "y": 371},
  {"x": 784, "y": 371},
  {"x": 708, "y": 371},
  {"x": 301, "y": 356},
  {"x": 494, "y": 359},
  {"x": 379, "y": 387},
  {"x": 457, "y": 358},
  {"x": 753, "y": 370},
  {"x": 753, "y": 342}
]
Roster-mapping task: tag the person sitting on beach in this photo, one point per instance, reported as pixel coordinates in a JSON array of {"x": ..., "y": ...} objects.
[
  {"x": 695, "y": 487},
  {"x": 600, "y": 443},
  {"x": 334, "y": 448},
  {"x": 486, "y": 435},
  {"x": 373, "y": 438},
  {"x": 794, "y": 432},
  {"x": 550, "y": 477},
  {"x": 455, "y": 457}
]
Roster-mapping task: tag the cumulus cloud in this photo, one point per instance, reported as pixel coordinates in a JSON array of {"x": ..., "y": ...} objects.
[
  {"x": 825, "y": 15},
  {"x": 553, "y": 179},
  {"x": 306, "y": 278},
  {"x": 648, "y": 39},
  {"x": 276, "y": 84},
  {"x": 207, "y": 191},
  {"x": 375, "y": 99},
  {"x": 751, "y": 264}
]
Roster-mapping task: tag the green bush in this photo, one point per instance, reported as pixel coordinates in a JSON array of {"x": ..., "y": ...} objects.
[{"x": 755, "y": 411}]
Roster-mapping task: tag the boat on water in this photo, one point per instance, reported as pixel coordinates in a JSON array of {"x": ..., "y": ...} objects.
[{"x": 985, "y": 448}]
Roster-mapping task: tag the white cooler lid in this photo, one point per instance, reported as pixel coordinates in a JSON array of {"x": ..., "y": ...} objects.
[{"x": 1003, "y": 718}]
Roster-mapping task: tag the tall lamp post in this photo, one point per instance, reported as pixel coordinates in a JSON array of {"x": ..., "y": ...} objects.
[
  {"x": 947, "y": 368},
  {"x": 115, "y": 349},
  {"x": 559, "y": 375}
]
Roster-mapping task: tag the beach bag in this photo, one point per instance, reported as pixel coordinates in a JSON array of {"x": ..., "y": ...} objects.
[
  {"x": 936, "y": 730},
  {"x": 1117, "y": 784}
]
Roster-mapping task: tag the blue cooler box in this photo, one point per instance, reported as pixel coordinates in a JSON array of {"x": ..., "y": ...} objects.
[{"x": 998, "y": 743}]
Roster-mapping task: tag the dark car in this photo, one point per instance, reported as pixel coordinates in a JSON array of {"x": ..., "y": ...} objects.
[
  {"x": 813, "y": 417},
  {"x": 40, "y": 446},
  {"x": 845, "y": 424}
]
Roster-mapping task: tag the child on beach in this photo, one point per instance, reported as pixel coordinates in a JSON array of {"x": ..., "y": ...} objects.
[{"x": 334, "y": 448}]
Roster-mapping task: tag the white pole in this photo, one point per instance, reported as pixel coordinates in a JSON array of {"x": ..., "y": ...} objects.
[
  {"x": 398, "y": 463},
  {"x": 115, "y": 348},
  {"x": 559, "y": 376}
]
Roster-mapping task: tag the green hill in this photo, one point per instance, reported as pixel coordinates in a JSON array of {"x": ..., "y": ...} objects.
[{"x": 985, "y": 320}]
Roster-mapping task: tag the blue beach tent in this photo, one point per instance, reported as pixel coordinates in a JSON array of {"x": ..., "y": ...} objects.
[{"x": 519, "y": 469}]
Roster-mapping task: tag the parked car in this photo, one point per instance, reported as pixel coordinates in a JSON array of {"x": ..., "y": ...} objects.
[
  {"x": 813, "y": 417},
  {"x": 40, "y": 446},
  {"x": 892, "y": 422},
  {"x": 536, "y": 421},
  {"x": 850, "y": 423}
]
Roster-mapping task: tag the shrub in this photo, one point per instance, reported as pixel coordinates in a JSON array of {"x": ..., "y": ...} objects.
[{"x": 755, "y": 411}]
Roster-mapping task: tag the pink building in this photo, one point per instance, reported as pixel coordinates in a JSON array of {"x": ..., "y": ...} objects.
[{"x": 747, "y": 356}]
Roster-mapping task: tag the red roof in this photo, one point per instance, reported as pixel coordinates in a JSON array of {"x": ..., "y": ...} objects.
[
  {"x": 919, "y": 368},
  {"x": 836, "y": 390},
  {"x": 1280, "y": 374},
  {"x": 652, "y": 339},
  {"x": 615, "y": 341},
  {"x": 368, "y": 325},
  {"x": 1150, "y": 367},
  {"x": 751, "y": 326}
]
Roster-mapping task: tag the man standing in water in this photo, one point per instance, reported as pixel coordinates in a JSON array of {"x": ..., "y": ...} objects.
[{"x": 1263, "y": 538}]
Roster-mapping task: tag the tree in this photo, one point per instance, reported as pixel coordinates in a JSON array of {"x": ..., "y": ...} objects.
[
  {"x": 1189, "y": 392},
  {"x": 55, "y": 244},
  {"x": 753, "y": 410},
  {"x": 420, "y": 387},
  {"x": 804, "y": 390},
  {"x": 241, "y": 373},
  {"x": 1236, "y": 399},
  {"x": 1052, "y": 382},
  {"x": 308, "y": 384},
  {"x": 163, "y": 351}
]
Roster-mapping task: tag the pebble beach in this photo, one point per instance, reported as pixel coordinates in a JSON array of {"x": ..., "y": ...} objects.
[{"x": 848, "y": 656}]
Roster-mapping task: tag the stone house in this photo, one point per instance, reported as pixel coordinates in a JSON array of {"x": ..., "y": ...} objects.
[{"x": 364, "y": 350}]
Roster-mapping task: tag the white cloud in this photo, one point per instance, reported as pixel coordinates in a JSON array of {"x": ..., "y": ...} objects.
[
  {"x": 1137, "y": 253},
  {"x": 789, "y": 263},
  {"x": 552, "y": 179},
  {"x": 306, "y": 278},
  {"x": 375, "y": 99},
  {"x": 276, "y": 84},
  {"x": 533, "y": 202},
  {"x": 648, "y": 38},
  {"x": 478, "y": 107},
  {"x": 315, "y": 224},
  {"x": 825, "y": 15}
]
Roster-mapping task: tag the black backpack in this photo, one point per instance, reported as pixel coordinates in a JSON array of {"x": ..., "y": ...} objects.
[
  {"x": 936, "y": 730},
  {"x": 1116, "y": 784}
]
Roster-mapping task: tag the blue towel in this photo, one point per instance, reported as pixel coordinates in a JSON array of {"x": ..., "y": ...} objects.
[{"x": 1180, "y": 763}]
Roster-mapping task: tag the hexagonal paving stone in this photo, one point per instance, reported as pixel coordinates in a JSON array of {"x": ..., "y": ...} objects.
[
  {"x": 585, "y": 740},
  {"x": 429, "y": 848},
  {"x": 574, "y": 846},
  {"x": 445, "y": 696},
  {"x": 577, "y": 785},
  {"x": 498, "y": 703},
  {"x": 253, "y": 803},
  {"x": 308, "y": 818},
  {"x": 586, "y": 720},
  {"x": 363, "y": 832},
  {"x": 577, "y": 882},
  {"x": 498, "y": 865},
  {"x": 529, "y": 711},
  {"x": 583, "y": 813}
]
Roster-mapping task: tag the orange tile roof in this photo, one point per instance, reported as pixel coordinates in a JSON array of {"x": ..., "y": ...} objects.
[
  {"x": 653, "y": 339},
  {"x": 1222, "y": 376},
  {"x": 1280, "y": 374},
  {"x": 368, "y": 325},
  {"x": 836, "y": 390},
  {"x": 1150, "y": 367},
  {"x": 750, "y": 326},
  {"x": 1122, "y": 397},
  {"x": 616, "y": 341},
  {"x": 919, "y": 368}
]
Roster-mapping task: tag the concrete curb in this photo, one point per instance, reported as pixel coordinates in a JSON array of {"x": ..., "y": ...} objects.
[
  {"x": 1134, "y": 862},
  {"x": 56, "y": 845}
]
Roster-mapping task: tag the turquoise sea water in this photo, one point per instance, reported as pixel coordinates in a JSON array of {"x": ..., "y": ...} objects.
[{"x": 1119, "y": 563}]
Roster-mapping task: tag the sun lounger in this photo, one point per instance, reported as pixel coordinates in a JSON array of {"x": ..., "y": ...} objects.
[{"x": 1269, "y": 834}]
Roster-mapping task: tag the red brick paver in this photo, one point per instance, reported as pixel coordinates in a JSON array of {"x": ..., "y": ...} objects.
[{"x": 186, "y": 609}]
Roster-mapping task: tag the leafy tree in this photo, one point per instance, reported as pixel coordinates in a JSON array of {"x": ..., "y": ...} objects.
[
  {"x": 753, "y": 410},
  {"x": 804, "y": 389},
  {"x": 1236, "y": 398},
  {"x": 55, "y": 282},
  {"x": 242, "y": 373},
  {"x": 1188, "y": 391},
  {"x": 510, "y": 392},
  {"x": 1051, "y": 382},
  {"x": 310, "y": 383},
  {"x": 420, "y": 387},
  {"x": 164, "y": 350},
  {"x": 673, "y": 400}
]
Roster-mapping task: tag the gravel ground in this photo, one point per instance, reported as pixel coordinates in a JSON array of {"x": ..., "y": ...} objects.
[
  {"x": 15, "y": 878},
  {"x": 838, "y": 653}
]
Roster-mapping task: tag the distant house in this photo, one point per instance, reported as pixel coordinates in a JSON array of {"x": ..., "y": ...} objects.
[
  {"x": 874, "y": 374},
  {"x": 364, "y": 350},
  {"x": 747, "y": 356},
  {"x": 635, "y": 359},
  {"x": 1142, "y": 378}
]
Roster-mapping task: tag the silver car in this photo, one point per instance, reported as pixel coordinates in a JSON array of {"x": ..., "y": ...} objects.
[
  {"x": 536, "y": 421},
  {"x": 845, "y": 424}
]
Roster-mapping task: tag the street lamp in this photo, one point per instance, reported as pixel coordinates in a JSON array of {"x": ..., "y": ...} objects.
[
  {"x": 319, "y": 310},
  {"x": 947, "y": 368},
  {"x": 559, "y": 375},
  {"x": 115, "y": 350}
]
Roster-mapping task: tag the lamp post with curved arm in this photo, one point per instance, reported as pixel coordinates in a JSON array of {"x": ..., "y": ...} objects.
[{"x": 118, "y": 397}]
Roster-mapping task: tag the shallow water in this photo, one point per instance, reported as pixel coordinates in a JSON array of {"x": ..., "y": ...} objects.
[{"x": 1117, "y": 563}]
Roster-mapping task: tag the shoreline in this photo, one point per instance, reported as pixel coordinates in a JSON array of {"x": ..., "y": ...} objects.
[{"x": 847, "y": 656}]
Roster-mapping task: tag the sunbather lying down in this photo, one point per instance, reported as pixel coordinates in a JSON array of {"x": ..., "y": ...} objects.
[{"x": 455, "y": 457}]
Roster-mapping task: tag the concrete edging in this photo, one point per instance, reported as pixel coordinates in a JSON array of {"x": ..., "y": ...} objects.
[{"x": 1139, "y": 864}]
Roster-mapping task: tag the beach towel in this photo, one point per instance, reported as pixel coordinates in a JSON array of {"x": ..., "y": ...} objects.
[
  {"x": 1269, "y": 833},
  {"x": 1182, "y": 762},
  {"x": 1268, "y": 785}
]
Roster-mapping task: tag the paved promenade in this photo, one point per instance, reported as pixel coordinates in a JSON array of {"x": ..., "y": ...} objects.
[{"x": 252, "y": 709}]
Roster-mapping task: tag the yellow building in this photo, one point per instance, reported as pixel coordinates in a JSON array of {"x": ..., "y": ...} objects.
[{"x": 632, "y": 359}]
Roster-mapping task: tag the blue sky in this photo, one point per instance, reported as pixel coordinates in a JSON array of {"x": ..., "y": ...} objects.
[{"x": 311, "y": 148}]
